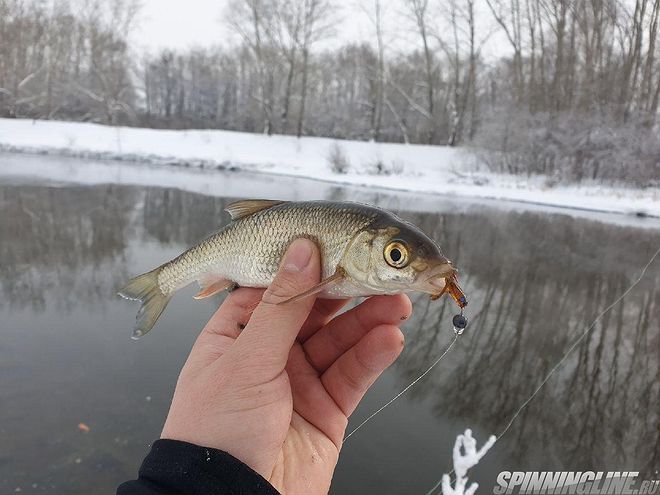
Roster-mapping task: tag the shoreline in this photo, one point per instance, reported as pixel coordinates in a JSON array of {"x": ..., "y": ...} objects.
[
  {"x": 428, "y": 170},
  {"x": 59, "y": 171}
]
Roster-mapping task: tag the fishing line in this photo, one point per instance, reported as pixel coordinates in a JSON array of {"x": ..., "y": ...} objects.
[
  {"x": 393, "y": 399},
  {"x": 566, "y": 354}
]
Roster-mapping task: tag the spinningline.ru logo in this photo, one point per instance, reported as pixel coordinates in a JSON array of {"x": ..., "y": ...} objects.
[{"x": 574, "y": 482}]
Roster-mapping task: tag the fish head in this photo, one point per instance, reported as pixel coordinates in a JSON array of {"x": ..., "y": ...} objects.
[{"x": 397, "y": 257}]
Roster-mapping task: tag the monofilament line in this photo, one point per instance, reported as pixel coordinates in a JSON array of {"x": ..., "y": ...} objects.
[
  {"x": 566, "y": 354},
  {"x": 393, "y": 399}
]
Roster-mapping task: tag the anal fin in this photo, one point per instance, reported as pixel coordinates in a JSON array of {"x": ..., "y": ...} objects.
[{"x": 212, "y": 287}]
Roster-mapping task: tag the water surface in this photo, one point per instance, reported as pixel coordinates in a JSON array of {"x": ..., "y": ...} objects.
[{"x": 536, "y": 280}]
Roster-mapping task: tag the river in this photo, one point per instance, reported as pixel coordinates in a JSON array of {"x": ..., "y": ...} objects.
[{"x": 73, "y": 230}]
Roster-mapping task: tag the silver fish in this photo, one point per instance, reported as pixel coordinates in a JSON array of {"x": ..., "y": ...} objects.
[{"x": 364, "y": 251}]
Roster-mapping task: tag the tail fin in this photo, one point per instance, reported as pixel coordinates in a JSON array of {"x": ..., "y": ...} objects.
[{"x": 144, "y": 288}]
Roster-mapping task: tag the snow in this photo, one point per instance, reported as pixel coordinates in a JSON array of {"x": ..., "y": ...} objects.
[
  {"x": 465, "y": 456},
  {"x": 436, "y": 170}
]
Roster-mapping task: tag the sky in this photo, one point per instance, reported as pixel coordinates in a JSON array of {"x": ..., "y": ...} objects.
[
  {"x": 180, "y": 24},
  {"x": 177, "y": 24}
]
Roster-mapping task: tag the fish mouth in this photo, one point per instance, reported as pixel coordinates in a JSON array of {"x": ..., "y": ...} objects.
[
  {"x": 442, "y": 279},
  {"x": 436, "y": 280}
]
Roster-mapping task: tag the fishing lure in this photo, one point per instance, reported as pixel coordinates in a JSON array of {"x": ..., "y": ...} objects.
[{"x": 452, "y": 288}]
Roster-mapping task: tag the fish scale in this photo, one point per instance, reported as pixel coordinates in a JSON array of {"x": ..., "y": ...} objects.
[{"x": 248, "y": 251}]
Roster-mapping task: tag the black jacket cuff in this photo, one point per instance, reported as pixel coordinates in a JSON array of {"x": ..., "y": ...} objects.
[{"x": 174, "y": 467}]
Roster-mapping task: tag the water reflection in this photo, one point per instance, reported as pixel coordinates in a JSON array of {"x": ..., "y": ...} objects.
[
  {"x": 171, "y": 216},
  {"x": 62, "y": 243},
  {"x": 535, "y": 282}
]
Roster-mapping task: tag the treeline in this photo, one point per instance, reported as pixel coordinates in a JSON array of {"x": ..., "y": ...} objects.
[
  {"x": 279, "y": 81},
  {"x": 219, "y": 89},
  {"x": 582, "y": 90},
  {"x": 65, "y": 61},
  {"x": 576, "y": 99}
]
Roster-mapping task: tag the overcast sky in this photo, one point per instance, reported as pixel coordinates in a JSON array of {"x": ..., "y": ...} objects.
[
  {"x": 182, "y": 24},
  {"x": 177, "y": 24}
]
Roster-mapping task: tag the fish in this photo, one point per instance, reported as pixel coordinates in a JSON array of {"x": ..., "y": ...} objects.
[{"x": 365, "y": 251}]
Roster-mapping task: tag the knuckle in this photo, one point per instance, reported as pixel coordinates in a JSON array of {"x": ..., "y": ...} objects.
[
  {"x": 351, "y": 380},
  {"x": 338, "y": 339},
  {"x": 365, "y": 366}
]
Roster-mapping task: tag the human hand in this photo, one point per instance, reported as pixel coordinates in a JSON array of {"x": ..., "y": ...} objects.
[{"x": 277, "y": 394}]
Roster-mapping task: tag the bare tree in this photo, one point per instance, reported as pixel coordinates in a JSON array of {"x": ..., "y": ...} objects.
[
  {"x": 251, "y": 20},
  {"x": 59, "y": 62},
  {"x": 286, "y": 32},
  {"x": 420, "y": 12},
  {"x": 375, "y": 12},
  {"x": 316, "y": 24},
  {"x": 509, "y": 17}
]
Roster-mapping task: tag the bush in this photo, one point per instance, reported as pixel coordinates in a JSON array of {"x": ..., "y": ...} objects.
[
  {"x": 337, "y": 159},
  {"x": 380, "y": 167},
  {"x": 569, "y": 148}
]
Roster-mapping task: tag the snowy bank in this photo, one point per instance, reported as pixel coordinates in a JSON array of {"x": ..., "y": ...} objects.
[
  {"x": 58, "y": 170},
  {"x": 428, "y": 169}
]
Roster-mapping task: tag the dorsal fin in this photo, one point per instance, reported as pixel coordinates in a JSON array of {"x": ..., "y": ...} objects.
[{"x": 245, "y": 208}]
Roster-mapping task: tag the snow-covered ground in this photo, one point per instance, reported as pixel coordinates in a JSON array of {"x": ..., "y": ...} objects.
[{"x": 428, "y": 169}]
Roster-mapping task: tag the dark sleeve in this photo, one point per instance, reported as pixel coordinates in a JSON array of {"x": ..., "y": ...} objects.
[{"x": 181, "y": 468}]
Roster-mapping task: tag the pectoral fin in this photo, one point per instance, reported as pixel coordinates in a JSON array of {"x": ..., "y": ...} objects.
[
  {"x": 212, "y": 286},
  {"x": 338, "y": 276}
]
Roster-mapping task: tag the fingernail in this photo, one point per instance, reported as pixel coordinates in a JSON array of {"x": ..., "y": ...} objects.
[{"x": 298, "y": 256}]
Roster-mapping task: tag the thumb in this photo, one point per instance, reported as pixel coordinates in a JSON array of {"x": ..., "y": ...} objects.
[{"x": 273, "y": 328}]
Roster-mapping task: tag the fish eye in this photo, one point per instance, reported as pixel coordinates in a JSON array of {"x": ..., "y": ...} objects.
[{"x": 396, "y": 254}]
